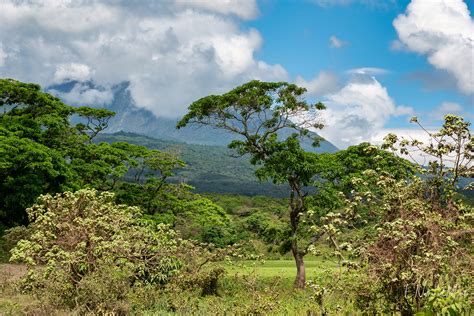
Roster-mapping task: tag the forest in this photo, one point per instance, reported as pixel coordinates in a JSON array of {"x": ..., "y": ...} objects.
[{"x": 94, "y": 223}]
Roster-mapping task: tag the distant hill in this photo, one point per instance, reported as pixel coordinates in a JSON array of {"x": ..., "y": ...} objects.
[
  {"x": 210, "y": 169},
  {"x": 131, "y": 118}
]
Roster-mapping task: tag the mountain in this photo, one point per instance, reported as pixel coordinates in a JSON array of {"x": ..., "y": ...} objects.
[
  {"x": 130, "y": 118},
  {"x": 209, "y": 169}
]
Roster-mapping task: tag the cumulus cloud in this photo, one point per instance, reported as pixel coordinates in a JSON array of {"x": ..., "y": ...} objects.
[
  {"x": 358, "y": 111},
  {"x": 336, "y": 42},
  {"x": 397, "y": 45},
  {"x": 324, "y": 83},
  {"x": 416, "y": 155},
  {"x": 245, "y": 9},
  {"x": 443, "y": 31},
  {"x": 171, "y": 52},
  {"x": 73, "y": 72},
  {"x": 409, "y": 134},
  {"x": 85, "y": 94}
]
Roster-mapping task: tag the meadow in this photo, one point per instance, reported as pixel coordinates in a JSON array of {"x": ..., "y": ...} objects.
[
  {"x": 283, "y": 269},
  {"x": 249, "y": 287}
]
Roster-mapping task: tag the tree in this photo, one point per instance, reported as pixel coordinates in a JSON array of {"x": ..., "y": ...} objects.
[
  {"x": 337, "y": 172},
  {"x": 43, "y": 152},
  {"x": 39, "y": 146},
  {"x": 96, "y": 121},
  {"x": 34, "y": 130},
  {"x": 27, "y": 169},
  {"x": 446, "y": 157},
  {"x": 256, "y": 113},
  {"x": 147, "y": 180},
  {"x": 422, "y": 251}
]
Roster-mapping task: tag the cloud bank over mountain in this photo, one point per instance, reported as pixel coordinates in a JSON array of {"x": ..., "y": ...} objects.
[{"x": 171, "y": 53}]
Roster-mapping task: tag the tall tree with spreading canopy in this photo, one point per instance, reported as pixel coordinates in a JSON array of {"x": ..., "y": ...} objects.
[
  {"x": 259, "y": 114},
  {"x": 38, "y": 145}
]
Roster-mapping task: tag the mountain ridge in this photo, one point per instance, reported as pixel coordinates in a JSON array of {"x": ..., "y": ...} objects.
[{"x": 131, "y": 118}]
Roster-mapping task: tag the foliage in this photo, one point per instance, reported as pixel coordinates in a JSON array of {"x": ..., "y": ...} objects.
[
  {"x": 42, "y": 152},
  {"x": 442, "y": 301},
  {"x": 209, "y": 169},
  {"x": 37, "y": 144},
  {"x": 76, "y": 237},
  {"x": 27, "y": 169},
  {"x": 419, "y": 246},
  {"x": 255, "y": 113},
  {"x": 423, "y": 244},
  {"x": 148, "y": 185},
  {"x": 449, "y": 153},
  {"x": 337, "y": 173},
  {"x": 205, "y": 221}
]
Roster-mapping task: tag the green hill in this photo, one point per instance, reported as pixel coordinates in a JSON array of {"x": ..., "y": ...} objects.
[{"x": 210, "y": 169}]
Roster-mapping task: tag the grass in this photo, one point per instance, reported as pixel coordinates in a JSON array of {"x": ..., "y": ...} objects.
[
  {"x": 259, "y": 287},
  {"x": 284, "y": 269}
]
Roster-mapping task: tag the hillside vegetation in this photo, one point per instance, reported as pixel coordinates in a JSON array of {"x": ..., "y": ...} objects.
[{"x": 208, "y": 168}]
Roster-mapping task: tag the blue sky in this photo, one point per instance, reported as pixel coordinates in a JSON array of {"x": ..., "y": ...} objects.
[
  {"x": 301, "y": 44},
  {"x": 374, "y": 63}
]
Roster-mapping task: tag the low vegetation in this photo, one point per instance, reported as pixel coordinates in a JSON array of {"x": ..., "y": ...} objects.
[{"x": 103, "y": 227}]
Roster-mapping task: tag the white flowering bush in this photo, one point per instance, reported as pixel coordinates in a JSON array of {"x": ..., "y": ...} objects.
[{"x": 83, "y": 238}]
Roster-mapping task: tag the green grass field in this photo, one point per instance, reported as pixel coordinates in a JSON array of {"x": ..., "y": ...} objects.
[
  {"x": 284, "y": 269},
  {"x": 249, "y": 288}
]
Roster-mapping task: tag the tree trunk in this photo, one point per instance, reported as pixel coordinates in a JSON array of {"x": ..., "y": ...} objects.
[
  {"x": 300, "y": 280},
  {"x": 296, "y": 206}
]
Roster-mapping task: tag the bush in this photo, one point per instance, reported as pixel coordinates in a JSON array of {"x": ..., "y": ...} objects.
[
  {"x": 84, "y": 251},
  {"x": 205, "y": 221}
]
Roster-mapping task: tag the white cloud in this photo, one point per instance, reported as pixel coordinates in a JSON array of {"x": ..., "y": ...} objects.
[
  {"x": 325, "y": 82},
  {"x": 72, "y": 71},
  {"x": 409, "y": 134},
  {"x": 245, "y": 9},
  {"x": 358, "y": 111},
  {"x": 172, "y": 53},
  {"x": 450, "y": 107},
  {"x": 443, "y": 31},
  {"x": 406, "y": 133},
  {"x": 336, "y": 42},
  {"x": 371, "y": 71},
  {"x": 83, "y": 94},
  {"x": 416, "y": 155}
]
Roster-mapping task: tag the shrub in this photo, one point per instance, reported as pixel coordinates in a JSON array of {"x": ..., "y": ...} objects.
[
  {"x": 82, "y": 242},
  {"x": 205, "y": 221}
]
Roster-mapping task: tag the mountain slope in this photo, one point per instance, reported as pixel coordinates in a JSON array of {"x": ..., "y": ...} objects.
[
  {"x": 210, "y": 169},
  {"x": 130, "y": 118}
]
